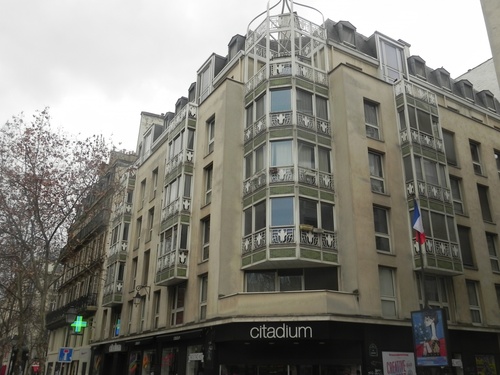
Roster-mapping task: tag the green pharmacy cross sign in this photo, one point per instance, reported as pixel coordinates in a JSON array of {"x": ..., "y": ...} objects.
[{"x": 78, "y": 324}]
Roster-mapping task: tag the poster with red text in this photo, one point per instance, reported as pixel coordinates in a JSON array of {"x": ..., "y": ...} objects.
[{"x": 398, "y": 363}]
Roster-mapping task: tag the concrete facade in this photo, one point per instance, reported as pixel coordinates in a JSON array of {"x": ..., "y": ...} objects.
[{"x": 271, "y": 224}]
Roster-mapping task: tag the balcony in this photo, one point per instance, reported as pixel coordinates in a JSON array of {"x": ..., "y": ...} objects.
[
  {"x": 113, "y": 294},
  {"x": 440, "y": 257},
  {"x": 172, "y": 267},
  {"x": 118, "y": 252},
  {"x": 300, "y": 245},
  {"x": 84, "y": 305}
]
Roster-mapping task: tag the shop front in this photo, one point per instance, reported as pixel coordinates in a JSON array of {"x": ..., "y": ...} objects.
[{"x": 288, "y": 348}]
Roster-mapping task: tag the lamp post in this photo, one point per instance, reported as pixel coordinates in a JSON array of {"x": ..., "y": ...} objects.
[
  {"x": 138, "y": 297},
  {"x": 70, "y": 316}
]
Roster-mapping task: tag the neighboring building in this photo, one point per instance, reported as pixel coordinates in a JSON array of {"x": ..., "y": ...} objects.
[
  {"x": 271, "y": 219},
  {"x": 84, "y": 259},
  {"x": 491, "y": 12},
  {"x": 483, "y": 77}
]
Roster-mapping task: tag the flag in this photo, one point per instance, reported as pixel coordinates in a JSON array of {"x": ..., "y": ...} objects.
[{"x": 417, "y": 224}]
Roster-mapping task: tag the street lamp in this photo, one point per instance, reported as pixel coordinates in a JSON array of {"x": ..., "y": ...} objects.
[
  {"x": 138, "y": 297},
  {"x": 70, "y": 315}
]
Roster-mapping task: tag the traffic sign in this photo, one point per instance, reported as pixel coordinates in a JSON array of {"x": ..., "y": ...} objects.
[{"x": 65, "y": 355}]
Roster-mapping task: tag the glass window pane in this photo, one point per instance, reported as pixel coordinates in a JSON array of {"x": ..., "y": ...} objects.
[
  {"x": 308, "y": 212},
  {"x": 260, "y": 158},
  {"x": 247, "y": 218},
  {"x": 260, "y": 107},
  {"x": 281, "y": 100},
  {"x": 327, "y": 216},
  {"x": 260, "y": 215},
  {"x": 281, "y": 153},
  {"x": 321, "y": 108},
  {"x": 324, "y": 160},
  {"x": 304, "y": 102},
  {"x": 306, "y": 155},
  {"x": 260, "y": 281},
  {"x": 282, "y": 211},
  {"x": 386, "y": 282}
]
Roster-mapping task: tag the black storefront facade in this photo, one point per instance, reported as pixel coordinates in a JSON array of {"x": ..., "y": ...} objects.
[{"x": 285, "y": 348}]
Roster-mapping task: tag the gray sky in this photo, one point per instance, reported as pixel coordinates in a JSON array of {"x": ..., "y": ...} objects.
[{"x": 98, "y": 63}]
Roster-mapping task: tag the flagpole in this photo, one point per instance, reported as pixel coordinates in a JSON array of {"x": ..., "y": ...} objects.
[
  {"x": 420, "y": 238},
  {"x": 422, "y": 274}
]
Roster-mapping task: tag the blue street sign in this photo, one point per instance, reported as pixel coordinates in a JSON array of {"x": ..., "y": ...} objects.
[{"x": 65, "y": 355}]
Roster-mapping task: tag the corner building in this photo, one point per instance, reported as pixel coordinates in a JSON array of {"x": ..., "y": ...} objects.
[{"x": 271, "y": 228}]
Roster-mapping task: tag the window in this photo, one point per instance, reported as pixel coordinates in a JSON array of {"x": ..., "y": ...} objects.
[
  {"x": 325, "y": 278},
  {"x": 281, "y": 100},
  {"x": 308, "y": 212},
  {"x": 145, "y": 267},
  {"x": 203, "y": 296},
  {"x": 281, "y": 153},
  {"x": 205, "y": 252},
  {"x": 376, "y": 172},
  {"x": 482, "y": 192},
  {"x": 143, "y": 193},
  {"x": 444, "y": 77},
  {"x": 142, "y": 315},
  {"x": 371, "y": 120},
  {"x": 208, "y": 184},
  {"x": 155, "y": 183},
  {"x": 177, "y": 309},
  {"x": 381, "y": 223},
  {"x": 393, "y": 61},
  {"x": 151, "y": 217},
  {"x": 474, "y": 306},
  {"x": 387, "y": 292},
  {"x": 324, "y": 163},
  {"x": 249, "y": 115},
  {"x": 211, "y": 135},
  {"x": 157, "y": 308},
  {"x": 281, "y": 211},
  {"x": 304, "y": 102},
  {"x": 260, "y": 216},
  {"x": 456, "y": 192},
  {"x": 306, "y": 155},
  {"x": 187, "y": 185},
  {"x": 465, "y": 245},
  {"x": 497, "y": 160},
  {"x": 476, "y": 160},
  {"x": 327, "y": 216},
  {"x": 491, "y": 240},
  {"x": 449, "y": 148},
  {"x": 489, "y": 101},
  {"x": 349, "y": 35},
  {"x": 260, "y": 107},
  {"x": 420, "y": 69},
  {"x": 467, "y": 91},
  {"x": 138, "y": 229},
  {"x": 321, "y": 107},
  {"x": 438, "y": 291},
  {"x": 260, "y": 158},
  {"x": 134, "y": 273}
]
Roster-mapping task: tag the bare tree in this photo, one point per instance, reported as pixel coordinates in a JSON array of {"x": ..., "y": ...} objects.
[{"x": 44, "y": 176}]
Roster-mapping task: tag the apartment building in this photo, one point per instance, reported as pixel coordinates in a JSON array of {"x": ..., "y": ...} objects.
[
  {"x": 271, "y": 217},
  {"x": 80, "y": 291}
]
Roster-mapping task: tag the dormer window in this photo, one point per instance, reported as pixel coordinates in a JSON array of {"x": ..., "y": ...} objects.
[
  {"x": 393, "y": 62},
  {"x": 489, "y": 101},
  {"x": 347, "y": 33},
  {"x": 349, "y": 36},
  {"x": 420, "y": 69},
  {"x": 468, "y": 92},
  {"x": 444, "y": 78}
]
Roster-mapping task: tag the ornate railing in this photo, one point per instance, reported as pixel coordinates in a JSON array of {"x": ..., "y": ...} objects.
[
  {"x": 408, "y": 88},
  {"x": 428, "y": 190},
  {"x": 422, "y": 139}
]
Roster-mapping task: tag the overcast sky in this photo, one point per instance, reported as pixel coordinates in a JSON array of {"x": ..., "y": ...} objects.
[{"x": 99, "y": 63}]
